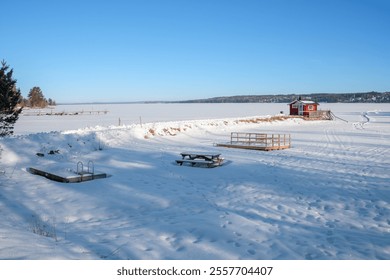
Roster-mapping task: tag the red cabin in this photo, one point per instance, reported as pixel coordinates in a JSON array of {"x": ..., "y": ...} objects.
[{"x": 303, "y": 107}]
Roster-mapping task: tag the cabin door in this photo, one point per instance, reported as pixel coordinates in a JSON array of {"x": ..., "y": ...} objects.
[{"x": 300, "y": 109}]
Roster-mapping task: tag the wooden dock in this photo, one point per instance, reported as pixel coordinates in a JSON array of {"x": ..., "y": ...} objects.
[
  {"x": 67, "y": 177},
  {"x": 258, "y": 141},
  {"x": 44, "y": 112}
]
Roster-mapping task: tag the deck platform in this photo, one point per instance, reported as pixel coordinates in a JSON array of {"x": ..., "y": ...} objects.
[
  {"x": 258, "y": 141},
  {"x": 67, "y": 176}
]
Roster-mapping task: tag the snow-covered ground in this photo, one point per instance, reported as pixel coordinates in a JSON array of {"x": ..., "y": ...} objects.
[{"x": 325, "y": 198}]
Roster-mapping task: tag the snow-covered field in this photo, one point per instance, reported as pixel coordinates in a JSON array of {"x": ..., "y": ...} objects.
[{"x": 325, "y": 198}]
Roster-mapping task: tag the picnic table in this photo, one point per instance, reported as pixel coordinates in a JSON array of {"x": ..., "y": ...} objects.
[{"x": 209, "y": 160}]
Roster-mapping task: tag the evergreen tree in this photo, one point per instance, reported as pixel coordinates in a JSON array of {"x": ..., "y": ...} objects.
[
  {"x": 9, "y": 98},
  {"x": 36, "y": 98},
  {"x": 51, "y": 102}
]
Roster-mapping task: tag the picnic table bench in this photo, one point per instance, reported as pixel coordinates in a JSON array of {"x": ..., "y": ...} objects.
[{"x": 209, "y": 160}]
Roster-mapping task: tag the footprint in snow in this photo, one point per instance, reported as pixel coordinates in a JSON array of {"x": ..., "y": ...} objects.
[
  {"x": 330, "y": 224},
  {"x": 252, "y": 252},
  {"x": 181, "y": 249}
]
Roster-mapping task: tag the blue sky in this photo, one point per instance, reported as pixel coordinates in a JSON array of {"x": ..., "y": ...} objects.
[{"x": 144, "y": 50}]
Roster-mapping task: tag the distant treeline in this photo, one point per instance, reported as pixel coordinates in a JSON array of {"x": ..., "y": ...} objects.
[{"x": 361, "y": 97}]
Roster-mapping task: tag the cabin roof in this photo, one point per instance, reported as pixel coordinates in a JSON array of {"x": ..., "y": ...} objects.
[{"x": 303, "y": 102}]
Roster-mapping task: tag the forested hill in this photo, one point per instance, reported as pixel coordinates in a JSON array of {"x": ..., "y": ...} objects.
[{"x": 365, "y": 97}]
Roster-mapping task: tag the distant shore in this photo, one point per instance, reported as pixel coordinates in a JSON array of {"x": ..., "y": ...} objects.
[{"x": 357, "y": 97}]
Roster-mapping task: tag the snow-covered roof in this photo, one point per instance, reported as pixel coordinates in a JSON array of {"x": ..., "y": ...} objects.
[{"x": 304, "y": 102}]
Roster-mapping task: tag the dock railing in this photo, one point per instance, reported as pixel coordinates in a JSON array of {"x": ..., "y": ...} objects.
[
  {"x": 258, "y": 141},
  {"x": 320, "y": 115}
]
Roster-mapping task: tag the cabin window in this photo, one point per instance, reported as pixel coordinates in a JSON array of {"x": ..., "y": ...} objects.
[
  {"x": 310, "y": 107},
  {"x": 295, "y": 106}
]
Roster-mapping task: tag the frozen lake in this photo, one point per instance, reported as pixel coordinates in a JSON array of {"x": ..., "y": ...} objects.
[{"x": 126, "y": 114}]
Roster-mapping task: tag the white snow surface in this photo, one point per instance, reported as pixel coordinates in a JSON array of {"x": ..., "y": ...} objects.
[{"x": 327, "y": 197}]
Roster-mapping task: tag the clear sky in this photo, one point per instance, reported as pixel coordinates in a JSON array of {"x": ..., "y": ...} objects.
[{"x": 144, "y": 50}]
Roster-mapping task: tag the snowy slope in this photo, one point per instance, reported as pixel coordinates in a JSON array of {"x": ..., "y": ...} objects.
[{"x": 325, "y": 198}]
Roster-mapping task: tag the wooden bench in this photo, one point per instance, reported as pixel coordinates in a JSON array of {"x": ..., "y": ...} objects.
[
  {"x": 194, "y": 162},
  {"x": 208, "y": 160}
]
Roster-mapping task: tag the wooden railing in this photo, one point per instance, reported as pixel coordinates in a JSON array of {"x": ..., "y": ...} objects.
[
  {"x": 320, "y": 114},
  {"x": 258, "y": 141}
]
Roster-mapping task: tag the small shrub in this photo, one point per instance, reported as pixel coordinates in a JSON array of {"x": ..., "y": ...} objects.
[{"x": 43, "y": 228}]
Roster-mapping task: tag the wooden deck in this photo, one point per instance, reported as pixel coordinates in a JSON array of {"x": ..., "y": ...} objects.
[
  {"x": 319, "y": 115},
  {"x": 258, "y": 141},
  {"x": 67, "y": 177}
]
